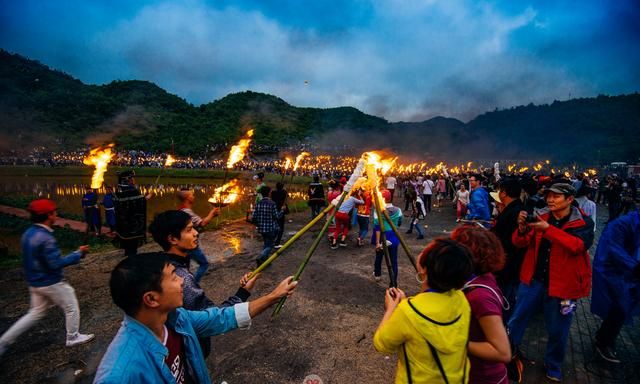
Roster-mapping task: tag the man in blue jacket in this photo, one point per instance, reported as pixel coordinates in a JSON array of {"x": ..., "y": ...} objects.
[
  {"x": 43, "y": 264},
  {"x": 478, "y": 200},
  {"x": 616, "y": 281},
  {"x": 158, "y": 340}
]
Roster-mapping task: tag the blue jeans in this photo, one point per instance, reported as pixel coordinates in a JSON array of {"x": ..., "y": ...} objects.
[
  {"x": 529, "y": 300},
  {"x": 203, "y": 264},
  {"x": 393, "y": 254},
  {"x": 416, "y": 226},
  {"x": 269, "y": 239},
  {"x": 363, "y": 224},
  {"x": 509, "y": 291}
]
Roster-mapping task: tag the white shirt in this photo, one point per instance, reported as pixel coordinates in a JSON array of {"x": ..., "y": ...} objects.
[
  {"x": 391, "y": 182},
  {"x": 427, "y": 187}
]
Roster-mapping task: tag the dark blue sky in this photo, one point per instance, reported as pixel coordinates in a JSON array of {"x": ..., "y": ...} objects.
[{"x": 402, "y": 60}]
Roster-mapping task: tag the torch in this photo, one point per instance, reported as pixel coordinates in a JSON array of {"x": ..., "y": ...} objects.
[
  {"x": 287, "y": 164},
  {"x": 167, "y": 163},
  {"x": 99, "y": 158},
  {"x": 237, "y": 153},
  {"x": 297, "y": 164}
]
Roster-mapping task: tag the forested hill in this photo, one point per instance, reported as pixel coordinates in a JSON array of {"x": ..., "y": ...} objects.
[{"x": 40, "y": 106}]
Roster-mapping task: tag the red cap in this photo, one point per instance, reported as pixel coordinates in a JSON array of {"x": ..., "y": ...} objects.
[
  {"x": 343, "y": 180},
  {"x": 386, "y": 195},
  {"x": 41, "y": 206}
]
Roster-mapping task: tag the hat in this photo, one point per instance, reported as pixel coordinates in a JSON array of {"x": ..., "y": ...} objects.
[
  {"x": 386, "y": 195},
  {"x": 495, "y": 196},
  {"x": 343, "y": 180},
  {"x": 564, "y": 188},
  {"x": 41, "y": 206}
]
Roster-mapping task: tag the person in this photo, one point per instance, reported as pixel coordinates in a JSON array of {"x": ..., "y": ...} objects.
[
  {"x": 175, "y": 232},
  {"x": 315, "y": 196},
  {"x": 259, "y": 179},
  {"x": 363, "y": 216},
  {"x": 614, "y": 197},
  {"x": 91, "y": 211},
  {"x": 427, "y": 192},
  {"x": 279, "y": 196},
  {"x": 395, "y": 214},
  {"x": 585, "y": 203},
  {"x": 157, "y": 341},
  {"x": 478, "y": 206},
  {"x": 441, "y": 190},
  {"x": 429, "y": 331},
  {"x": 187, "y": 198},
  {"x": 131, "y": 214},
  {"x": 616, "y": 281},
  {"x": 555, "y": 272},
  {"x": 506, "y": 223},
  {"x": 417, "y": 214},
  {"x": 109, "y": 210},
  {"x": 390, "y": 183},
  {"x": 265, "y": 217},
  {"x": 342, "y": 218},
  {"x": 489, "y": 348},
  {"x": 333, "y": 193},
  {"x": 43, "y": 268},
  {"x": 462, "y": 200}
]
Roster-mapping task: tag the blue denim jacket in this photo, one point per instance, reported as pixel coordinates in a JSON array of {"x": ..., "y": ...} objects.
[
  {"x": 42, "y": 260},
  {"x": 137, "y": 356}
]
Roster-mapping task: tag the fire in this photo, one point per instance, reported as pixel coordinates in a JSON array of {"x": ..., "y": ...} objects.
[
  {"x": 170, "y": 160},
  {"x": 567, "y": 174},
  {"x": 99, "y": 158},
  {"x": 299, "y": 159},
  {"x": 226, "y": 194},
  {"x": 547, "y": 161},
  {"x": 537, "y": 167},
  {"x": 288, "y": 163},
  {"x": 239, "y": 150},
  {"x": 523, "y": 169}
]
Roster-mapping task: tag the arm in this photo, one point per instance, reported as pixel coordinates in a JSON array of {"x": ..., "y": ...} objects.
[
  {"x": 616, "y": 253},
  {"x": 212, "y": 213},
  {"x": 496, "y": 348},
  {"x": 575, "y": 240},
  {"x": 285, "y": 288},
  {"x": 389, "y": 335},
  {"x": 53, "y": 257}
]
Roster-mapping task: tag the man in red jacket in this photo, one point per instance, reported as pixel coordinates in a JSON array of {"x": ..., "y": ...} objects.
[{"x": 556, "y": 271}]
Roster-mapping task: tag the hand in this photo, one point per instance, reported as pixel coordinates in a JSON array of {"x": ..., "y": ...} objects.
[
  {"x": 285, "y": 288},
  {"x": 392, "y": 298},
  {"x": 149, "y": 195},
  {"x": 83, "y": 249},
  {"x": 522, "y": 222},
  {"x": 215, "y": 211},
  {"x": 540, "y": 225},
  {"x": 247, "y": 283}
]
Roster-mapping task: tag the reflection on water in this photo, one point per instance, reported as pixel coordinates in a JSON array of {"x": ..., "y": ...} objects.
[{"x": 67, "y": 192}]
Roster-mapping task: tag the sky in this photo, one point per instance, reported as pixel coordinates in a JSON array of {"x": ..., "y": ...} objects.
[{"x": 398, "y": 59}]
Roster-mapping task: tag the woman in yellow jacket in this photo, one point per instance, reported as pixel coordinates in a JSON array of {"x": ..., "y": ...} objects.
[{"x": 429, "y": 331}]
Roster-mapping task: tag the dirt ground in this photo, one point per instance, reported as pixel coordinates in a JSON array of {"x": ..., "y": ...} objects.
[{"x": 325, "y": 329}]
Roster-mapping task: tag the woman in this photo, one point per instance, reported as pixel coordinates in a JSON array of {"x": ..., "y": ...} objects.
[
  {"x": 429, "y": 331},
  {"x": 489, "y": 349},
  {"x": 395, "y": 214},
  {"x": 462, "y": 199}
]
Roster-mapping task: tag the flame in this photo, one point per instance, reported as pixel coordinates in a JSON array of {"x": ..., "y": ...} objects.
[
  {"x": 287, "y": 163},
  {"x": 469, "y": 164},
  {"x": 523, "y": 169},
  {"x": 387, "y": 164},
  {"x": 547, "y": 161},
  {"x": 226, "y": 194},
  {"x": 567, "y": 174},
  {"x": 537, "y": 167},
  {"x": 99, "y": 158},
  {"x": 170, "y": 160},
  {"x": 299, "y": 159},
  {"x": 511, "y": 167},
  {"x": 239, "y": 150},
  {"x": 592, "y": 172}
]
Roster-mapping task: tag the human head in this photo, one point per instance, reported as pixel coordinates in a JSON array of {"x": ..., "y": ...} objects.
[
  {"x": 474, "y": 180},
  {"x": 447, "y": 264},
  {"x": 509, "y": 189},
  {"x": 168, "y": 228},
  {"x": 147, "y": 279},
  {"x": 186, "y": 195},
  {"x": 462, "y": 187},
  {"x": 386, "y": 195},
  {"x": 265, "y": 190},
  {"x": 316, "y": 178},
  {"x": 559, "y": 197},
  {"x": 486, "y": 250},
  {"x": 126, "y": 177},
  {"x": 42, "y": 210},
  {"x": 279, "y": 186}
]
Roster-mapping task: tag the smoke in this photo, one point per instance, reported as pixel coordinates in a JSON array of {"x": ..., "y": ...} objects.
[{"x": 134, "y": 120}]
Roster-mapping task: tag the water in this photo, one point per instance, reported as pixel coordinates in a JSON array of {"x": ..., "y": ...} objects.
[{"x": 67, "y": 191}]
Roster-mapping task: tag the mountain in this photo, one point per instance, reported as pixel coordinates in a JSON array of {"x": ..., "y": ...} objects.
[{"x": 40, "y": 106}]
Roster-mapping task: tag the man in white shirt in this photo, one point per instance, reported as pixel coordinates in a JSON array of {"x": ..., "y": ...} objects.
[
  {"x": 391, "y": 184},
  {"x": 427, "y": 192}
]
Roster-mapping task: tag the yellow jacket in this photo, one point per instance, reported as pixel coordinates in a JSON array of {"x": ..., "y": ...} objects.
[{"x": 443, "y": 320}]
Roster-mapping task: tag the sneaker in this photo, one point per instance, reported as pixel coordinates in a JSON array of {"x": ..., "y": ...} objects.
[
  {"x": 377, "y": 277},
  {"x": 79, "y": 338},
  {"x": 343, "y": 243},
  {"x": 609, "y": 354},
  {"x": 556, "y": 378},
  {"x": 408, "y": 232},
  {"x": 420, "y": 237},
  {"x": 277, "y": 246},
  {"x": 334, "y": 244}
]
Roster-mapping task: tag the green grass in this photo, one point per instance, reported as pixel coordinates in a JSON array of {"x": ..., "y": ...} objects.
[{"x": 12, "y": 228}]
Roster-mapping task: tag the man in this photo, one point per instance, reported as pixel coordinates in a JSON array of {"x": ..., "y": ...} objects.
[
  {"x": 157, "y": 342},
  {"x": 315, "y": 196},
  {"x": 109, "y": 210},
  {"x": 427, "y": 192},
  {"x": 175, "y": 232},
  {"x": 265, "y": 217},
  {"x": 555, "y": 272},
  {"x": 279, "y": 196},
  {"x": 391, "y": 182},
  {"x": 478, "y": 200},
  {"x": 187, "y": 197},
  {"x": 616, "y": 281},
  {"x": 91, "y": 211},
  {"x": 131, "y": 214},
  {"x": 506, "y": 223},
  {"x": 43, "y": 264}
]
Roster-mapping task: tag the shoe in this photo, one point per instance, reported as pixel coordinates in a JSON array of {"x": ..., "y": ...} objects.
[
  {"x": 79, "y": 338},
  {"x": 609, "y": 354},
  {"x": 377, "y": 277},
  {"x": 420, "y": 237},
  {"x": 334, "y": 244},
  {"x": 553, "y": 377},
  {"x": 514, "y": 369},
  {"x": 277, "y": 246},
  {"x": 343, "y": 243},
  {"x": 408, "y": 232}
]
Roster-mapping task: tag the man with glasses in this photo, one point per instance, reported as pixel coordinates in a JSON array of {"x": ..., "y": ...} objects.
[{"x": 478, "y": 206}]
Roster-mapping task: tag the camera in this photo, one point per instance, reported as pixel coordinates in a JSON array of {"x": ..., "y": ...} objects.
[{"x": 531, "y": 218}]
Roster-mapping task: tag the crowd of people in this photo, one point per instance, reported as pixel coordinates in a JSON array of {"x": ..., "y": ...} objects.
[{"x": 521, "y": 247}]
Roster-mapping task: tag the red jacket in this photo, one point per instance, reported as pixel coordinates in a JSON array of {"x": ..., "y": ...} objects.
[{"x": 569, "y": 261}]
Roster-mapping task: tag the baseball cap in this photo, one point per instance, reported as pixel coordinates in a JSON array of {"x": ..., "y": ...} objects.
[
  {"x": 564, "y": 188},
  {"x": 41, "y": 206}
]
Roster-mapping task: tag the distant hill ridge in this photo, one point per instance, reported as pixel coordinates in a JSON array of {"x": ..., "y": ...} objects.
[{"x": 43, "y": 106}]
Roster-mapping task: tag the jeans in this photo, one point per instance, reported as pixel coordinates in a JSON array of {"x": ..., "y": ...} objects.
[
  {"x": 611, "y": 326},
  {"x": 393, "y": 253},
  {"x": 269, "y": 239},
  {"x": 530, "y": 299},
  {"x": 280, "y": 230},
  {"x": 427, "y": 202},
  {"x": 200, "y": 258},
  {"x": 415, "y": 223},
  {"x": 316, "y": 207},
  {"x": 509, "y": 291},
  {"x": 363, "y": 225},
  {"x": 42, "y": 298}
]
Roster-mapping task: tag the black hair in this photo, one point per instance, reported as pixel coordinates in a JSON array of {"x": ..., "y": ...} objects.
[
  {"x": 530, "y": 186},
  {"x": 279, "y": 186},
  {"x": 168, "y": 223},
  {"x": 39, "y": 218},
  {"x": 265, "y": 190},
  {"x": 133, "y": 277},
  {"x": 316, "y": 178},
  {"x": 448, "y": 263},
  {"x": 511, "y": 186}
]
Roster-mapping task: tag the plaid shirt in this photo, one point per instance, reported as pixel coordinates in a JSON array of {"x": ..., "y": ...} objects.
[{"x": 265, "y": 215}]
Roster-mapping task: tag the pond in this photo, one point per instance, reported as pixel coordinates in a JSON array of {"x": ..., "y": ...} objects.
[{"x": 67, "y": 192}]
